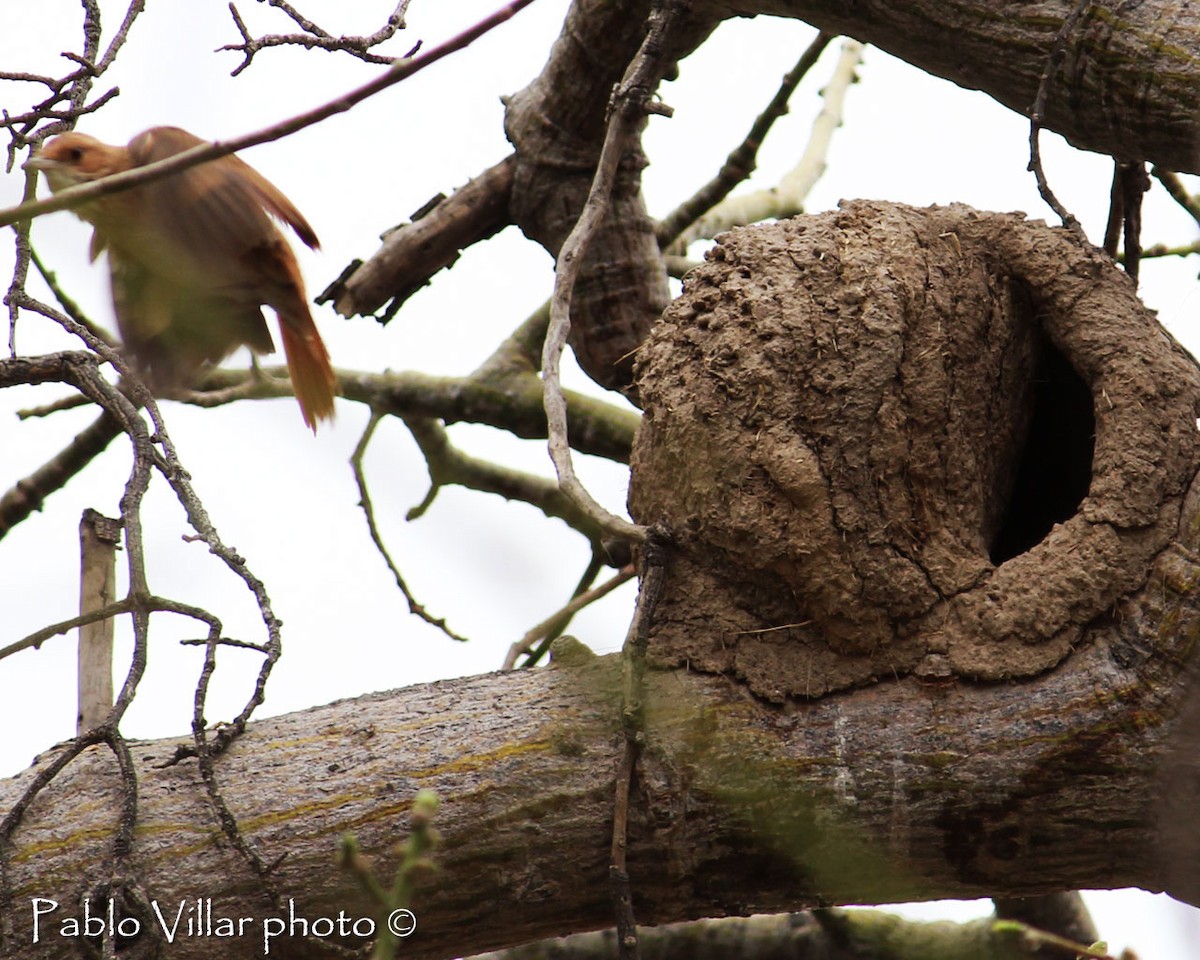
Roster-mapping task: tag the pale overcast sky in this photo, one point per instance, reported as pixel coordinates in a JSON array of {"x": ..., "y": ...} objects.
[{"x": 287, "y": 501}]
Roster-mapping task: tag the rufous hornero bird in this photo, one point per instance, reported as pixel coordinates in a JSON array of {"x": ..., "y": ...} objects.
[{"x": 193, "y": 257}]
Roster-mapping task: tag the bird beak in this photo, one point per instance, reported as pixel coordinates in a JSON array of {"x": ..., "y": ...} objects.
[{"x": 38, "y": 162}]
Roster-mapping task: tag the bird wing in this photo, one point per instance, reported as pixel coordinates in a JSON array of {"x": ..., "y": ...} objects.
[
  {"x": 216, "y": 209},
  {"x": 172, "y": 332}
]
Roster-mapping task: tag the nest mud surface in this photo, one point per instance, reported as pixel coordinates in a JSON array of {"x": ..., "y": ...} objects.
[{"x": 891, "y": 439}]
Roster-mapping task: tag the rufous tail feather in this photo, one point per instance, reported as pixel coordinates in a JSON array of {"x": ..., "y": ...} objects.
[{"x": 313, "y": 379}]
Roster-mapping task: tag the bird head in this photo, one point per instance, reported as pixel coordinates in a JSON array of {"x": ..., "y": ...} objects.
[{"x": 75, "y": 158}]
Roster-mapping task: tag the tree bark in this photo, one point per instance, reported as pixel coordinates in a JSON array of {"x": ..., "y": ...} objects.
[
  {"x": 905, "y": 790},
  {"x": 557, "y": 126},
  {"x": 1128, "y": 87}
]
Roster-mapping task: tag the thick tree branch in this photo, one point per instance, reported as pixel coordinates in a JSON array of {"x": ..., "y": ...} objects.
[
  {"x": 799, "y": 936},
  {"x": 507, "y": 399},
  {"x": 557, "y": 126},
  {"x": 512, "y": 403},
  {"x": 1129, "y": 85},
  {"x": 739, "y": 807},
  {"x": 412, "y": 253}
]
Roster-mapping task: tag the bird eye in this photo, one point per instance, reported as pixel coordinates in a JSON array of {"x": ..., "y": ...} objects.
[{"x": 75, "y": 154}]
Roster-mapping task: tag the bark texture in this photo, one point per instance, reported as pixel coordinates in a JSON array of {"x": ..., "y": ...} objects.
[
  {"x": 1129, "y": 85},
  {"x": 847, "y": 423},
  {"x": 904, "y": 790},
  {"x": 557, "y": 126}
]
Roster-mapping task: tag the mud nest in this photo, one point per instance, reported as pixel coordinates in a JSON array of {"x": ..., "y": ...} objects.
[{"x": 892, "y": 440}]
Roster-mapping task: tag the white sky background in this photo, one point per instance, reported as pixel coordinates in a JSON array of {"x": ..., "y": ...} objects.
[{"x": 287, "y": 501}]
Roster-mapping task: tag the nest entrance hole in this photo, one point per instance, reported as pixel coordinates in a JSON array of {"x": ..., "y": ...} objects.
[{"x": 1054, "y": 468}]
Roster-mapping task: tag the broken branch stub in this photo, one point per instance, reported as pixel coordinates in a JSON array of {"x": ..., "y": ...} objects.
[{"x": 893, "y": 440}]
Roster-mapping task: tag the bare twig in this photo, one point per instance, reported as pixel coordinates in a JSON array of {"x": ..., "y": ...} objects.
[
  {"x": 553, "y": 625},
  {"x": 743, "y": 160},
  {"x": 29, "y": 493},
  {"x": 400, "y": 70},
  {"x": 72, "y": 402},
  {"x": 63, "y": 117},
  {"x": 630, "y": 103},
  {"x": 364, "y": 499},
  {"x": 1178, "y": 191},
  {"x": 549, "y": 629},
  {"x": 533, "y": 656},
  {"x": 38, "y": 637},
  {"x": 315, "y": 38},
  {"x": 787, "y": 199},
  {"x": 449, "y": 466},
  {"x": 1162, "y": 250},
  {"x": 1057, "y": 54},
  {"x": 16, "y": 289},
  {"x": 73, "y": 89},
  {"x": 70, "y": 307}
]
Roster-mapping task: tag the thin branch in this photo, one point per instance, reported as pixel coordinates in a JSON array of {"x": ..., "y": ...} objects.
[
  {"x": 73, "y": 402},
  {"x": 64, "y": 118},
  {"x": 630, "y": 103},
  {"x": 787, "y": 199},
  {"x": 24, "y": 251},
  {"x": 364, "y": 501},
  {"x": 38, "y": 637},
  {"x": 743, "y": 160},
  {"x": 400, "y": 70},
  {"x": 513, "y": 403},
  {"x": 1057, "y": 54},
  {"x": 533, "y": 656},
  {"x": 552, "y": 626},
  {"x": 70, "y": 307},
  {"x": 1134, "y": 182},
  {"x": 449, "y": 466},
  {"x": 74, "y": 88},
  {"x": 133, "y": 11},
  {"x": 1178, "y": 191},
  {"x": 29, "y": 494},
  {"x": 314, "y": 37},
  {"x": 1162, "y": 250},
  {"x": 20, "y": 76},
  {"x": 1116, "y": 213}
]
